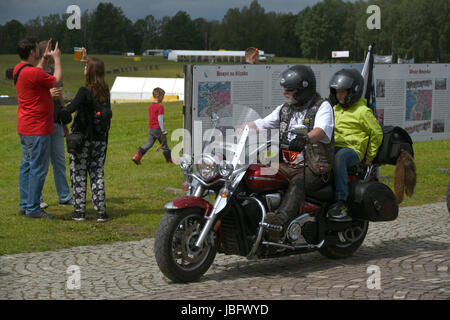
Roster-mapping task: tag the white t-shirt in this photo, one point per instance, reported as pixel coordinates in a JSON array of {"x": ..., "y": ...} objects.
[{"x": 324, "y": 120}]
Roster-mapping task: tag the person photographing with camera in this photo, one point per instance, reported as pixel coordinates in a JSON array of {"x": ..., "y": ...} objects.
[
  {"x": 57, "y": 145},
  {"x": 35, "y": 121},
  {"x": 251, "y": 56}
]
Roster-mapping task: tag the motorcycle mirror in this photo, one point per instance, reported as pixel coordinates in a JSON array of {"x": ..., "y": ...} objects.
[
  {"x": 214, "y": 116},
  {"x": 215, "y": 119},
  {"x": 299, "y": 129}
]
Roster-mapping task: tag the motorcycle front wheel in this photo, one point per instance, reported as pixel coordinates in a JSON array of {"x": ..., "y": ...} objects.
[
  {"x": 349, "y": 241},
  {"x": 176, "y": 254}
]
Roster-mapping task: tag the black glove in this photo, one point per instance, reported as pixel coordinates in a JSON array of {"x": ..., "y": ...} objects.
[
  {"x": 64, "y": 116},
  {"x": 284, "y": 144},
  {"x": 299, "y": 143}
]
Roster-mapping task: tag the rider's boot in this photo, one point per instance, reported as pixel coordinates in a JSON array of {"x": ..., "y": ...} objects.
[
  {"x": 288, "y": 209},
  {"x": 339, "y": 212},
  {"x": 138, "y": 156}
]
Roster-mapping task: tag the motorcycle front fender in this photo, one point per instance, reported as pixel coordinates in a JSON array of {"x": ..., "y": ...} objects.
[{"x": 189, "y": 202}]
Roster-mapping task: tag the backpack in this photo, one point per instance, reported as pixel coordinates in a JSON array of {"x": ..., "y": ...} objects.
[
  {"x": 101, "y": 117},
  {"x": 395, "y": 140}
]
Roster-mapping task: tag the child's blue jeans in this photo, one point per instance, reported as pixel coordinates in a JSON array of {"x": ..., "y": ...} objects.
[{"x": 343, "y": 159}]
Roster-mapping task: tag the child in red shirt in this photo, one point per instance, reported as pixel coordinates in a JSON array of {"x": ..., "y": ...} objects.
[{"x": 157, "y": 131}]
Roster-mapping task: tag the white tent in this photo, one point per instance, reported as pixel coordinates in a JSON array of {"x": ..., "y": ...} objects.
[
  {"x": 127, "y": 88},
  {"x": 205, "y": 55},
  {"x": 172, "y": 87},
  {"x": 140, "y": 89}
]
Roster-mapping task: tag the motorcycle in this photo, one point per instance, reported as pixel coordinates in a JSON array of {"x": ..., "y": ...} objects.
[{"x": 193, "y": 229}]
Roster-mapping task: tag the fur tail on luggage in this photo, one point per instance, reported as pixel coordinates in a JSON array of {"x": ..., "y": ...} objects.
[{"x": 404, "y": 176}]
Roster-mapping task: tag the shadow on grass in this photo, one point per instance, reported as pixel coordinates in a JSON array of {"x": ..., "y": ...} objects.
[{"x": 114, "y": 211}]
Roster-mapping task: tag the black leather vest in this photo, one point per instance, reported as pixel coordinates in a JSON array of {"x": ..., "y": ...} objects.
[{"x": 319, "y": 156}]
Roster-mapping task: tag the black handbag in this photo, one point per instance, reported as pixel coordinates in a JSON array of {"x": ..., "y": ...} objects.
[{"x": 74, "y": 142}]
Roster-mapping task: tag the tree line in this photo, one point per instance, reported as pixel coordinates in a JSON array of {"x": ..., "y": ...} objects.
[{"x": 409, "y": 29}]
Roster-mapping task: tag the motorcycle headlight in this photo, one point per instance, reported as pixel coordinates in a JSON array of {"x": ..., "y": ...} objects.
[
  {"x": 226, "y": 169},
  {"x": 185, "y": 162},
  {"x": 208, "y": 167}
]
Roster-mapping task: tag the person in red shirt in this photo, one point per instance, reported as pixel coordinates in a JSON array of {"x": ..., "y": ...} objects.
[
  {"x": 57, "y": 145},
  {"x": 157, "y": 131},
  {"x": 34, "y": 121}
]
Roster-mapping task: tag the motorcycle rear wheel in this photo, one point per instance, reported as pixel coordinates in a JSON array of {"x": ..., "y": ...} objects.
[
  {"x": 351, "y": 238},
  {"x": 176, "y": 255}
]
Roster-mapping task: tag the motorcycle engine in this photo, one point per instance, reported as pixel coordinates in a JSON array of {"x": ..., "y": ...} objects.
[
  {"x": 302, "y": 230},
  {"x": 273, "y": 201}
]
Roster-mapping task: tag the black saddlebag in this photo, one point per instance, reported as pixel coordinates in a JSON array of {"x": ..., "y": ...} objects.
[
  {"x": 373, "y": 201},
  {"x": 395, "y": 139}
]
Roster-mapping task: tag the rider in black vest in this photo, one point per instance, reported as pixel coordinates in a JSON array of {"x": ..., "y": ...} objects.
[{"x": 303, "y": 106}]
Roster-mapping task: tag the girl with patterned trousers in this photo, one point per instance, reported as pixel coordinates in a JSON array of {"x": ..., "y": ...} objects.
[{"x": 90, "y": 156}]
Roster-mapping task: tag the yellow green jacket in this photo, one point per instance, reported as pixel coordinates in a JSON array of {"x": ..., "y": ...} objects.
[{"x": 356, "y": 127}]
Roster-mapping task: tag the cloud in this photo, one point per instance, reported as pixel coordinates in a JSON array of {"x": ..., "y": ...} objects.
[{"x": 136, "y": 9}]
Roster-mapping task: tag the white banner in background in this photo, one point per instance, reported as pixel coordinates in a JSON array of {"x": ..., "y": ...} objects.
[
  {"x": 382, "y": 59},
  {"x": 340, "y": 54}
]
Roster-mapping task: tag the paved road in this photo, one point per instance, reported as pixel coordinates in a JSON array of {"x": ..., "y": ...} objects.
[{"x": 411, "y": 255}]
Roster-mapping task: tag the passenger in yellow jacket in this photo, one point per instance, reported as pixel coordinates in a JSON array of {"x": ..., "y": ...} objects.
[{"x": 357, "y": 134}]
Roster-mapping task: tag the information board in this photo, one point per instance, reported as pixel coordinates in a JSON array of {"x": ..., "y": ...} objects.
[{"x": 414, "y": 97}]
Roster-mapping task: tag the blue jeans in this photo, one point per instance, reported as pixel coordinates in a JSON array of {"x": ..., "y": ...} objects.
[
  {"x": 153, "y": 135},
  {"x": 58, "y": 159},
  {"x": 33, "y": 170},
  {"x": 343, "y": 159}
]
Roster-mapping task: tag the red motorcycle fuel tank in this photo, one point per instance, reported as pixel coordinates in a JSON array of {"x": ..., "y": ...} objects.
[{"x": 261, "y": 178}]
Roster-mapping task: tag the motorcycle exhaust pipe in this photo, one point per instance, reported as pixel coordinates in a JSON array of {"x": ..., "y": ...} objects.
[{"x": 285, "y": 246}]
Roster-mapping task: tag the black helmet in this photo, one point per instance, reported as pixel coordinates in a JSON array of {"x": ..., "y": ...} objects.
[
  {"x": 301, "y": 78},
  {"x": 349, "y": 79}
]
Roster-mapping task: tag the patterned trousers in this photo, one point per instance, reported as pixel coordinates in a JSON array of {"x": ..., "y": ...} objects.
[{"x": 90, "y": 161}]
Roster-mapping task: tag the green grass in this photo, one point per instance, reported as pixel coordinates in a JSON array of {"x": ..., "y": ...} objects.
[
  {"x": 432, "y": 183},
  {"x": 135, "y": 194}
]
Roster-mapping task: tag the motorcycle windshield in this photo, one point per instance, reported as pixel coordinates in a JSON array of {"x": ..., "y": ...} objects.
[
  {"x": 230, "y": 116},
  {"x": 222, "y": 140}
]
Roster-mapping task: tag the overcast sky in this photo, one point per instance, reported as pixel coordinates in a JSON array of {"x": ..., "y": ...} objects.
[{"x": 23, "y": 10}]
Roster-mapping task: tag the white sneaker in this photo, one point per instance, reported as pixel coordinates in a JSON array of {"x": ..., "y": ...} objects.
[
  {"x": 43, "y": 205},
  {"x": 67, "y": 203}
]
